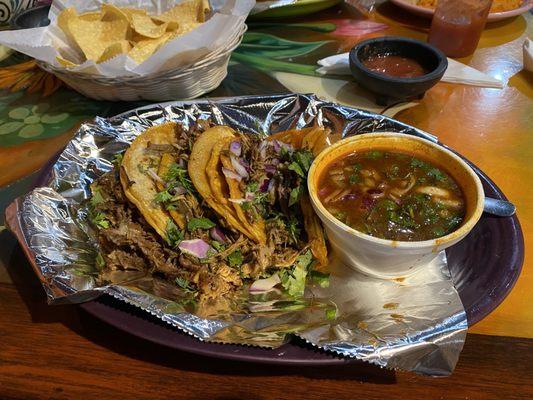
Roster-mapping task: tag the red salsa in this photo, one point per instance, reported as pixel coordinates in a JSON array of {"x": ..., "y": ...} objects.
[
  {"x": 396, "y": 66},
  {"x": 392, "y": 195}
]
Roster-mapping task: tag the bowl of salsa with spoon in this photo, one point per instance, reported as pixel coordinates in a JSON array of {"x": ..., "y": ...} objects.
[
  {"x": 395, "y": 68},
  {"x": 391, "y": 202}
]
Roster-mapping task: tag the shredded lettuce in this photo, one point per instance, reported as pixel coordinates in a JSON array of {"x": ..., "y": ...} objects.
[
  {"x": 293, "y": 279},
  {"x": 321, "y": 278}
]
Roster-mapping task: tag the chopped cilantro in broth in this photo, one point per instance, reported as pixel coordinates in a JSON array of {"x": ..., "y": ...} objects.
[{"x": 392, "y": 196}]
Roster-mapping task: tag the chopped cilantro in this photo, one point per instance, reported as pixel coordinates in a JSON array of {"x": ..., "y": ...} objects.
[
  {"x": 437, "y": 174},
  {"x": 374, "y": 154},
  {"x": 331, "y": 313},
  {"x": 246, "y": 205},
  {"x": 199, "y": 223},
  {"x": 97, "y": 197},
  {"x": 117, "y": 159},
  {"x": 301, "y": 162},
  {"x": 438, "y": 232},
  {"x": 252, "y": 187},
  {"x": 393, "y": 171},
  {"x": 293, "y": 229},
  {"x": 357, "y": 167},
  {"x": 218, "y": 246},
  {"x": 235, "y": 259},
  {"x": 304, "y": 158},
  {"x": 174, "y": 234},
  {"x": 163, "y": 196},
  {"x": 354, "y": 178},
  {"x": 341, "y": 216},
  {"x": 294, "y": 166},
  {"x": 179, "y": 174},
  {"x": 99, "y": 219},
  {"x": 416, "y": 163},
  {"x": 184, "y": 284},
  {"x": 295, "y": 195}
]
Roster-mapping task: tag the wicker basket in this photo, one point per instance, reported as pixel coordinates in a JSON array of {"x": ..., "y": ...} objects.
[{"x": 179, "y": 84}]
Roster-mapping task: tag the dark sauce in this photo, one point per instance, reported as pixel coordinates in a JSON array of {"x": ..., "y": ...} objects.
[{"x": 395, "y": 66}]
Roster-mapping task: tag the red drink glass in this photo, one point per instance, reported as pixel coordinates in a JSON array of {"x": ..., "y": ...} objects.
[{"x": 457, "y": 25}]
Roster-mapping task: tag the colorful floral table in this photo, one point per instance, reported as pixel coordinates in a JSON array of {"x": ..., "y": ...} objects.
[{"x": 491, "y": 127}]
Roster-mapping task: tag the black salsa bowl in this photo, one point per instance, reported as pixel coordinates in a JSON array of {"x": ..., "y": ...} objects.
[{"x": 390, "y": 89}]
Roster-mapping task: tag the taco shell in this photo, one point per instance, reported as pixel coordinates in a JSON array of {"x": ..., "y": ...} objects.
[
  {"x": 198, "y": 164},
  {"x": 138, "y": 186}
]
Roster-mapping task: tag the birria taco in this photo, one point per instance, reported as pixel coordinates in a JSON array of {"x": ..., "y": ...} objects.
[{"x": 210, "y": 209}]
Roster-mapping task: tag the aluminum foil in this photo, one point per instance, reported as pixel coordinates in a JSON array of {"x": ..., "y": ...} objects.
[{"x": 417, "y": 324}]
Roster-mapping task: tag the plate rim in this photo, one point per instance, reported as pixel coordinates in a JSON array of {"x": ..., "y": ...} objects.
[{"x": 492, "y": 17}]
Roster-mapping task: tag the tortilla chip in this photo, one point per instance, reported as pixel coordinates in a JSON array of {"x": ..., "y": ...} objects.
[
  {"x": 256, "y": 228},
  {"x": 63, "y": 20},
  {"x": 91, "y": 16},
  {"x": 111, "y": 12},
  {"x": 145, "y": 48},
  {"x": 65, "y": 63},
  {"x": 145, "y": 26},
  {"x": 131, "y": 11},
  {"x": 315, "y": 233},
  {"x": 93, "y": 37},
  {"x": 114, "y": 50},
  {"x": 138, "y": 186},
  {"x": 198, "y": 160},
  {"x": 186, "y": 12},
  {"x": 167, "y": 160}
]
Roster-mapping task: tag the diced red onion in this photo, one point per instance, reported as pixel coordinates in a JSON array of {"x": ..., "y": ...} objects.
[
  {"x": 228, "y": 173},
  {"x": 287, "y": 147},
  {"x": 270, "y": 169},
  {"x": 238, "y": 166},
  {"x": 263, "y": 188},
  {"x": 236, "y": 148},
  {"x": 375, "y": 193},
  {"x": 155, "y": 177},
  {"x": 217, "y": 234},
  {"x": 367, "y": 202},
  {"x": 275, "y": 161},
  {"x": 249, "y": 196},
  {"x": 246, "y": 165},
  {"x": 323, "y": 191},
  {"x": 262, "y": 149},
  {"x": 194, "y": 247},
  {"x": 276, "y": 145},
  {"x": 237, "y": 201},
  {"x": 349, "y": 196},
  {"x": 264, "y": 285},
  {"x": 178, "y": 190}
]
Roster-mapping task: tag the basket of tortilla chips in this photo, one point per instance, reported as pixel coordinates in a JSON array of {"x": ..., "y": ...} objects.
[{"x": 133, "y": 50}]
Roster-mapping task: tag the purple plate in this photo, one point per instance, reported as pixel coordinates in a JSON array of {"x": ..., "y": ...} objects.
[{"x": 484, "y": 266}]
